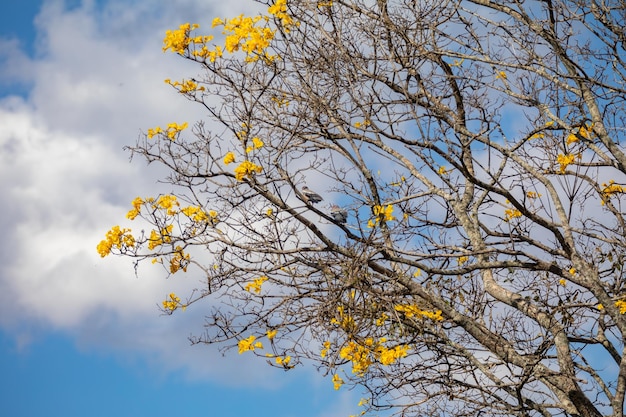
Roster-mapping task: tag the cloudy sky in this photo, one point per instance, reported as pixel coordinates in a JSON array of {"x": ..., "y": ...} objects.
[{"x": 81, "y": 335}]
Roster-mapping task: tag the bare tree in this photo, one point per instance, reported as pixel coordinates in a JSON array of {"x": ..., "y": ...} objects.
[{"x": 466, "y": 255}]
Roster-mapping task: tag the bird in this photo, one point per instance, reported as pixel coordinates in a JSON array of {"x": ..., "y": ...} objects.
[
  {"x": 338, "y": 214},
  {"x": 311, "y": 196}
]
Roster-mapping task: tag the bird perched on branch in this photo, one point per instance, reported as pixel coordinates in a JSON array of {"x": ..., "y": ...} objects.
[
  {"x": 338, "y": 214},
  {"x": 311, "y": 196}
]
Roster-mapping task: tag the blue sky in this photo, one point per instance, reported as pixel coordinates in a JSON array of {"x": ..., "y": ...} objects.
[{"x": 81, "y": 335}]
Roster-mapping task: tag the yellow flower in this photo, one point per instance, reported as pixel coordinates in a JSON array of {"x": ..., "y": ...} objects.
[
  {"x": 279, "y": 10},
  {"x": 271, "y": 334},
  {"x": 246, "y": 169},
  {"x": 217, "y": 22},
  {"x": 132, "y": 214},
  {"x": 600, "y": 307},
  {"x": 167, "y": 202},
  {"x": 115, "y": 238},
  {"x": 178, "y": 40},
  {"x": 381, "y": 320},
  {"x": 611, "y": 188},
  {"x": 390, "y": 356},
  {"x": 511, "y": 214},
  {"x": 158, "y": 238},
  {"x": 196, "y": 213},
  {"x": 571, "y": 138},
  {"x": 411, "y": 310},
  {"x": 462, "y": 259},
  {"x": 381, "y": 214},
  {"x": 324, "y": 351},
  {"x": 621, "y": 304},
  {"x": 283, "y": 361},
  {"x": 565, "y": 160},
  {"x": 243, "y": 33},
  {"x": 173, "y": 129},
  {"x": 442, "y": 170},
  {"x": 180, "y": 260},
  {"x": 501, "y": 74},
  {"x": 154, "y": 132},
  {"x": 533, "y": 194},
  {"x": 538, "y": 135},
  {"x": 249, "y": 344},
  {"x": 583, "y": 131},
  {"x": 171, "y": 303},
  {"x": 255, "y": 286},
  {"x": 337, "y": 381},
  {"x": 562, "y": 282},
  {"x": 258, "y": 143},
  {"x": 230, "y": 157},
  {"x": 185, "y": 87}
]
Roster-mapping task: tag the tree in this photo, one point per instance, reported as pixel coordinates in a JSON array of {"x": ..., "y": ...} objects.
[{"x": 467, "y": 256}]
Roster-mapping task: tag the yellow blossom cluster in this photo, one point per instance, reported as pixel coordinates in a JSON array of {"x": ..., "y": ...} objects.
[
  {"x": 248, "y": 34},
  {"x": 172, "y": 302},
  {"x": 583, "y": 131},
  {"x": 381, "y": 214},
  {"x": 185, "y": 87},
  {"x": 462, "y": 259},
  {"x": 279, "y": 10},
  {"x": 280, "y": 101},
  {"x": 337, "y": 381},
  {"x": 256, "y": 144},
  {"x": 137, "y": 203},
  {"x": 172, "y": 131},
  {"x": 533, "y": 194},
  {"x": 344, "y": 320},
  {"x": 538, "y": 135},
  {"x": 411, "y": 310},
  {"x": 197, "y": 214},
  {"x": 229, "y": 158},
  {"x": 382, "y": 319},
  {"x": 365, "y": 123},
  {"x": 167, "y": 202},
  {"x": 565, "y": 160},
  {"x": 610, "y": 190},
  {"x": 255, "y": 285},
  {"x": 180, "y": 260},
  {"x": 511, "y": 213},
  {"x": 178, "y": 40},
  {"x": 325, "y": 350},
  {"x": 247, "y": 169},
  {"x": 621, "y": 304},
  {"x": 363, "y": 355},
  {"x": 157, "y": 238},
  {"x": 249, "y": 344},
  {"x": 116, "y": 238},
  {"x": 243, "y": 33},
  {"x": 284, "y": 361}
]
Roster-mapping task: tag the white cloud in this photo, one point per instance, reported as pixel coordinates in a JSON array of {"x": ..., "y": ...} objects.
[{"x": 97, "y": 80}]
